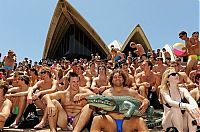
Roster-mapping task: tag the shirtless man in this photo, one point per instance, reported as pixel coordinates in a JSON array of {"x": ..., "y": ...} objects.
[
  {"x": 166, "y": 53},
  {"x": 84, "y": 81},
  {"x": 33, "y": 76},
  {"x": 193, "y": 73},
  {"x": 117, "y": 56},
  {"x": 72, "y": 110},
  {"x": 100, "y": 83},
  {"x": 5, "y": 104},
  {"x": 195, "y": 40},
  {"x": 139, "y": 48},
  {"x": 91, "y": 72},
  {"x": 139, "y": 68},
  {"x": 147, "y": 80},
  {"x": 191, "y": 48},
  {"x": 45, "y": 86},
  {"x": 17, "y": 100},
  {"x": 130, "y": 83},
  {"x": 159, "y": 67},
  {"x": 9, "y": 61},
  {"x": 183, "y": 77},
  {"x": 108, "y": 122},
  {"x": 180, "y": 66}
]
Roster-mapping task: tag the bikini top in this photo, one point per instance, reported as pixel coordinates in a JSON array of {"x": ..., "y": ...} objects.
[{"x": 183, "y": 100}]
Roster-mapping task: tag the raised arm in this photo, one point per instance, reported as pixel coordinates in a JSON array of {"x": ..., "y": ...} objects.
[{"x": 51, "y": 90}]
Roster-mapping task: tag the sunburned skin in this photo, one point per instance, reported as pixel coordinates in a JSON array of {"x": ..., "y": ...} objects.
[
  {"x": 72, "y": 107},
  {"x": 100, "y": 122}
]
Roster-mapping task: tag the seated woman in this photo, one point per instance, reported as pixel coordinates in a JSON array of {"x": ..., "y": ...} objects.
[
  {"x": 180, "y": 109},
  {"x": 5, "y": 104}
]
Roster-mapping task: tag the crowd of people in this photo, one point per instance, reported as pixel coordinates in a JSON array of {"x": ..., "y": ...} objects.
[{"x": 60, "y": 87}]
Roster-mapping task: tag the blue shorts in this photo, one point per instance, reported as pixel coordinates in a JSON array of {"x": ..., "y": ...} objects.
[{"x": 8, "y": 67}]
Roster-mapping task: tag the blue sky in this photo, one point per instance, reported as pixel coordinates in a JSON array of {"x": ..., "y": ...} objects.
[{"x": 24, "y": 23}]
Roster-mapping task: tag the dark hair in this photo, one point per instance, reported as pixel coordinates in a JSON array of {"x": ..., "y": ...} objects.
[
  {"x": 132, "y": 43},
  {"x": 25, "y": 78},
  {"x": 178, "y": 59},
  {"x": 159, "y": 58},
  {"x": 72, "y": 74},
  {"x": 197, "y": 78},
  {"x": 47, "y": 69},
  {"x": 80, "y": 67},
  {"x": 103, "y": 67},
  {"x": 120, "y": 73},
  {"x": 183, "y": 33},
  {"x": 195, "y": 33},
  {"x": 5, "y": 86},
  {"x": 149, "y": 64},
  {"x": 34, "y": 71}
]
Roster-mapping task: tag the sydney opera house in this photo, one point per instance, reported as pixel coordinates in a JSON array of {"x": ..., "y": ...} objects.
[{"x": 71, "y": 36}]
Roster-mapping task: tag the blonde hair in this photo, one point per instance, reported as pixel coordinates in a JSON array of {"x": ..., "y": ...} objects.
[{"x": 165, "y": 76}]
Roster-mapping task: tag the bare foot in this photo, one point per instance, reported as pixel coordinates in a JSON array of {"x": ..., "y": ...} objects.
[
  {"x": 40, "y": 125},
  {"x": 13, "y": 125}
]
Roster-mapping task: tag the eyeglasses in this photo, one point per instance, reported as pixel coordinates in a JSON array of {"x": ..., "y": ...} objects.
[
  {"x": 173, "y": 74},
  {"x": 43, "y": 72},
  {"x": 180, "y": 36}
]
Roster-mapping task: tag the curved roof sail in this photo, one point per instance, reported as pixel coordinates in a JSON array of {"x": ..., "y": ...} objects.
[
  {"x": 137, "y": 36},
  {"x": 71, "y": 36}
]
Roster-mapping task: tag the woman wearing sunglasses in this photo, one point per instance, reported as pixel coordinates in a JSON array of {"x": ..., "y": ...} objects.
[{"x": 180, "y": 109}]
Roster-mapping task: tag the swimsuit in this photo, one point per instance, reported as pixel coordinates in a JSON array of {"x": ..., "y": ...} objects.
[
  {"x": 117, "y": 58},
  {"x": 184, "y": 100},
  {"x": 198, "y": 57},
  {"x": 8, "y": 67},
  {"x": 192, "y": 57},
  {"x": 119, "y": 124},
  {"x": 70, "y": 119}
]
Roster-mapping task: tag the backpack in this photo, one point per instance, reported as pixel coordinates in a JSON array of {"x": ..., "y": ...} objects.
[{"x": 30, "y": 117}]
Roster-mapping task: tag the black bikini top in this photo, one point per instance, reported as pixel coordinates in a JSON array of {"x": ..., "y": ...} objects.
[{"x": 183, "y": 100}]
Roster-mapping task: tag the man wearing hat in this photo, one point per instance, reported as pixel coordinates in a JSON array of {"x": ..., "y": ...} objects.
[{"x": 9, "y": 61}]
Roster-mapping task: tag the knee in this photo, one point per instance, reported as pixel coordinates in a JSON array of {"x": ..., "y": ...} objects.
[
  {"x": 142, "y": 88},
  {"x": 56, "y": 103},
  {"x": 96, "y": 120}
]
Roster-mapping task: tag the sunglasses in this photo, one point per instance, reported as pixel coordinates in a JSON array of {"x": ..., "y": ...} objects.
[
  {"x": 180, "y": 36},
  {"x": 43, "y": 72},
  {"x": 21, "y": 79},
  {"x": 172, "y": 74}
]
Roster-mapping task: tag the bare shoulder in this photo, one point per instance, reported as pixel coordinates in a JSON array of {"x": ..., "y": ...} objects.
[
  {"x": 195, "y": 90},
  {"x": 55, "y": 81},
  {"x": 84, "y": 90},
  {"x": 107, "y": 92},
  {"x": 133, "y": 92},
  {"x": 131, "y": 76},
  {"x": 7, "y": 102},
  {"x": 182, "y": 74},
  {"x": 87, "y": 78},
  {"x": 140, "y": 74}
]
